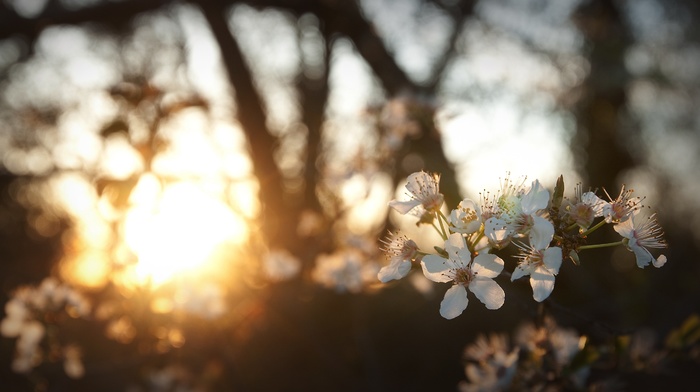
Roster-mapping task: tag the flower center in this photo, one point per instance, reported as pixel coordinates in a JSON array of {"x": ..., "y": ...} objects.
[
  {"x": 535, "y": 258},
  {"x": 468, "y": 216},
  {"x": 463, "y": 276}
]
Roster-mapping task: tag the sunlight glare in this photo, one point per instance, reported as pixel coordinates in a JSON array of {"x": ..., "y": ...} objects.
[
  {"x": 487, "y": 141},
  {"x": 174, "y": 232}
]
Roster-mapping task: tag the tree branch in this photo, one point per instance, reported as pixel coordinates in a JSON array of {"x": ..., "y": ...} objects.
[
  {"x": 252, "y": 118},
  {"x": 109, "y": 13}
]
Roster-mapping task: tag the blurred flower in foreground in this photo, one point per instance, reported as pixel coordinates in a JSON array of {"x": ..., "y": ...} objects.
[
  {"x": 345, "y": 271},
  {"x": 204, "y": 300},
  {"x": 491, "y": 364},
  {"x": 552, "y": 341},
  {"x": 73, "y": 364},
  {"x": 280, "y": 265},
  {"x": 25, "y": 314}
]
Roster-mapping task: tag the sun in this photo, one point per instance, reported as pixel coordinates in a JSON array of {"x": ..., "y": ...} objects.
[{"x": 174, "y": 230}]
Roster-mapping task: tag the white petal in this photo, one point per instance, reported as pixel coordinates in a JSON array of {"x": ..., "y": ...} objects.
[
  {"x": 11, "y": 327},
  {"x": 658, "y": 263},
  {"x": 397, "y": 269},
  {"x": 625, "y": 228},
  {"x": 497, "y": 230},
  {"x": 487, "y": 265},
  {"x": 435, "y": 268},
  {"x": 535, "y": 199},
  {"x": 520, "y": 271},
  {"x": 466, "y": 209},
  {"x": 455, "y": 242},
  {"x": 542, "y": 282},
  {"x": 488, "y": 292},
  {"x": 552, "y": 259},
  {"x": 403, "y": 207},
  {"x": 596, "y": 203},
  {"x": 417, "y": 182},
  {"x": 541, "y": 233},
  {"x": 454, "y": 303},
  {"x": 643, "y": 256}
]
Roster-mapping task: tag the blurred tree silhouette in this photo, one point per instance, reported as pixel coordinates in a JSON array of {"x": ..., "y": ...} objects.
[{"x": 84, "y": 82}]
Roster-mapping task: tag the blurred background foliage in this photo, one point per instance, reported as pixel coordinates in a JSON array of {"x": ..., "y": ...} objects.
[{"x": 152, "y": 153}]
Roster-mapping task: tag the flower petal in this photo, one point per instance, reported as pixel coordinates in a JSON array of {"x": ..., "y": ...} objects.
[
  {"x": 658, "y": 263},
  {"x": 552, "y": 259},
  {"x": 535, "y": 199},
  {"x": 421, "y": 182},
  {"x": 435, "y": 268},
  {"x": 595, "y": 202},
  {"x": 542, "y": 282},
  {"x": 488, "y": 292},
  {"x": 487, "y": 265},
  {"x": 454, "y": 243},
  {"x": 521, "y": 270},
  {"x": 397, "y": 269},
  {"x": 498, "y": 231},
  {"x": 466, "y": 218},
  {"x": 541, "y": 233},
  {"x": 403, "y": 207},
  {"x": 643, "y": 255},
  {"x": 454, "y": 303},
  {"x": 625, "y": 228}
]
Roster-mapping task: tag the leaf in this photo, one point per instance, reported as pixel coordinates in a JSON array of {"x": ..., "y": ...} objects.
[
  {"x": 688, "y": 333},
  {"x": 574, "y": 257},
  {"x": 558, "y": 195},
  {"x": 441, "y": 251}
]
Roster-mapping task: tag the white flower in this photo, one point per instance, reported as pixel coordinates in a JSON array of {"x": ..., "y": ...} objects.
[
  {"x": 513, "y": 211},
  {"x": 475, "y": 274},
  {"x": 584, "y": 208},
  {"x": 535, "y": 199},
  {"x": 540, "y": 261},
  {"x": 466, "y": 218},
  {"x": 643, "y": 235},
  {"x": 342, "y": 270},
  {"x": 401, "y": 251},
  {"x": 204, "y": 300},
  {"x": 498, "y": 231},
  {"x": 491, "y": 365},
  {"x": 16, "y": 314},
  {"x": 280, "y": 265},
  {"x": 73, "y": 364},
  {"x": 596, "y": 203},
  {"x": 524, "y": 215},
  {"x": 423, "y": 189},
  {"x": 623, "y": 206}
]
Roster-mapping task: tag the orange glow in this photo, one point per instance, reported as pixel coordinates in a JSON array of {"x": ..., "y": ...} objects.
[
  {"x": 87, "y": 268},
  {"x": 175, "y": 230}
]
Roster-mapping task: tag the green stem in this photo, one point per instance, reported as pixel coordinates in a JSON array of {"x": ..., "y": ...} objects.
[
  {"x": 596, "y": 246},
  {"x": 442, "y": 234},
  {"x": 475, "y": 238},
  {"x": 594, "y": 228},
  {"x": 441, "y": 218}
]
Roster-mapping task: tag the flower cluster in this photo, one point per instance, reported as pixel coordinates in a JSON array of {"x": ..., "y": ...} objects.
[
  {"x": 29, "y": 316},
  {"x": 542, "y": 357},
  {"x": 544, "y": 227}
]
